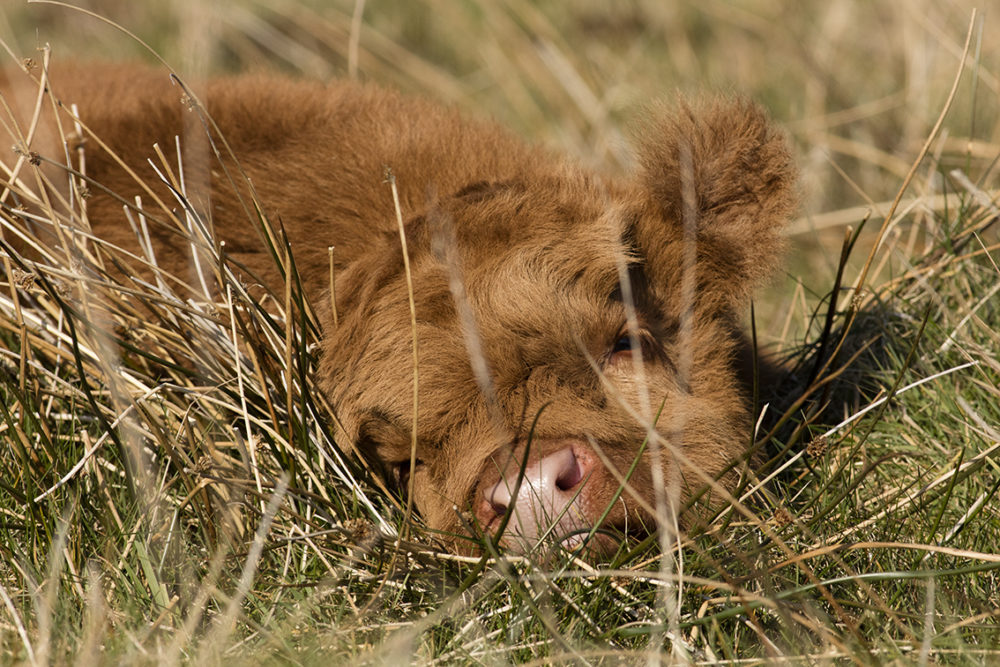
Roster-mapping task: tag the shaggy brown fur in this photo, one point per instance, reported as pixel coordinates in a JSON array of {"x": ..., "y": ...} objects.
[{"x": 516, "y": 259}]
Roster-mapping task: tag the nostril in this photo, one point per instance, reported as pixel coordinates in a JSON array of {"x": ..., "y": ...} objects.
[
  {"x": 571, "y": 473},
  {"x": 548, "y": 500},
  {"x": 560, "y": 471},
  {"x": 498, "y": 497},
  {"x": 498, "y": 508}
]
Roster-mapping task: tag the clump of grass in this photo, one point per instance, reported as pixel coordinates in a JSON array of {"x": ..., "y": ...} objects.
[
  {"x": 157, "y": 434},
  {"x": 172, "y": 489}
]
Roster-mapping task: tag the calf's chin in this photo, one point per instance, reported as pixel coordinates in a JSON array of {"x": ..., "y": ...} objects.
[{"x": 580, "y": 360}]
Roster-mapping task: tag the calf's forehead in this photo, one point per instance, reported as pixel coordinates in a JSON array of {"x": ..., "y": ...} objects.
[{"x": 554, "y": 249}]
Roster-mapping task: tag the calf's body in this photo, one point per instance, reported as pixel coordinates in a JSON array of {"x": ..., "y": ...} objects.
[{"x": 581, "y": 328}]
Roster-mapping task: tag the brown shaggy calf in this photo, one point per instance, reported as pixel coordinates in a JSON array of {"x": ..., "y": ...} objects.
[{"x": 584, "y": 328}]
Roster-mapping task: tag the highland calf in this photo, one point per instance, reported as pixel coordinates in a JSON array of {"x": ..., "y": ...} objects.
[{"x": 585, "y": 330}]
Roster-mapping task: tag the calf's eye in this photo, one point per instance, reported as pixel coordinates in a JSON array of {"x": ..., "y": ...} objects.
[
  {"x": 623, "y": 344},
  {"x": 621, "y": 350},
  {"x": 628, "y": 343}
]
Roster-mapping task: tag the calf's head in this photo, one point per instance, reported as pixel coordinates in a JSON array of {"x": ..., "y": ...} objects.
[{"x": 585, "y": 331}]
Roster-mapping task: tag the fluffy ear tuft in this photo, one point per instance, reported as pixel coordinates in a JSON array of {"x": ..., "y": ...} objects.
[{"x": 719, "y": 164}]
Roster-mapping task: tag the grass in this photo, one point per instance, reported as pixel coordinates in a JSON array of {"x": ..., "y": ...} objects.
[{"x": 140, "y": 524}]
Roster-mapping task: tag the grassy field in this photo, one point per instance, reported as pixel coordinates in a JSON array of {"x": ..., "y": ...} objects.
[{"x": 168, "y": 496}]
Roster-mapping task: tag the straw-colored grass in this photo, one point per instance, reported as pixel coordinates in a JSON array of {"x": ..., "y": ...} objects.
[{"x": 171, "y": 485}]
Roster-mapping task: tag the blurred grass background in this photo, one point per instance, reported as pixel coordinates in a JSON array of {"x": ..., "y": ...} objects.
[{"x": 859, "y": 86}]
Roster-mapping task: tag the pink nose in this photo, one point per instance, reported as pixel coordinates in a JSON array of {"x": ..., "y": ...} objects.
[{"x": 548, "y": 502}]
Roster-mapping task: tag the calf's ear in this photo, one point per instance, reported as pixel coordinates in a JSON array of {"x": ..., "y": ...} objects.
[{"x": 718, "y": 174}]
